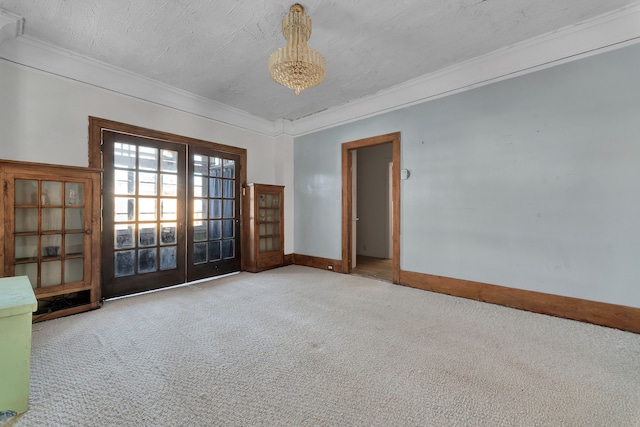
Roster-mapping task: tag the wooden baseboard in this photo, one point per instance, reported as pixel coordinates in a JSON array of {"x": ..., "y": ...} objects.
[
  {"x": 599, "y": 313},
  {"x": 317, "y": 262},
  {"x": 288, "y": 259}
]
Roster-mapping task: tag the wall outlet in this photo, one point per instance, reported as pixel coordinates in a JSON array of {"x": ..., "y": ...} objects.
[{"x": 330, "y": 267}]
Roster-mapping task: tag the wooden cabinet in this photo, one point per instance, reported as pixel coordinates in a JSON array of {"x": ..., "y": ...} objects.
[
  {"x": 263, "y": 227},
  {"x": 51, "y": 234}
]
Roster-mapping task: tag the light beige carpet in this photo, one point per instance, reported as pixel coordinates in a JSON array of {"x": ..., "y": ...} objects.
[{"x": 302, "y": 347}]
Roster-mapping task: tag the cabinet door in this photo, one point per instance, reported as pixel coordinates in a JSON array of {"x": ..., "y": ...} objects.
[
  {"x": 268, "y": 219},
  {"x": 49, "y": 224}
]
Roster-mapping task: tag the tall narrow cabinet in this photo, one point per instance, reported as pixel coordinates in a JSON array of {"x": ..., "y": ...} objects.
[
  {"x": 263, "y": 227},
  {"x": 51, "y": 234}
]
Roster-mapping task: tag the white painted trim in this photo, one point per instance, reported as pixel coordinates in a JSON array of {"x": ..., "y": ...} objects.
[
  {"x": 606, "y": 32},
  {"x": 11, "y": 26},
  {"x": 33, "y": 53},
  {"x": 598, "y": 35}
]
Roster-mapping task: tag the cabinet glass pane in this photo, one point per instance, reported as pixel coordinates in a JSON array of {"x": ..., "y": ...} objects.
[
  {"x": 51, "y": 219},
  {"x": 51, "y": 193},
  {"x": 51, "y": 273},
  {"x": 168, "y": 234},
  {"x": 124, "y": 262},
  {"x": 276, "y": 201},
  {"x": 263, "y": 229},
  {"x": 74, "y": 219},
  {"x": 26, "y": 220},
  {"x": 124, "y": 208},
  {"x": 124, "y": 236},
  {"x": 276, "y": 243},
  {"x": 168, "y": 258},
  {"x": 124, "y": 155},
  {"x": 30, "y": 270},
  {"x": 51, "y": 245},
  {"x": 147, "y": 184},
  {"x": 147, "y": 235},
  {"x": 26, "y": 248},
  {"x": 262, "y": 200},
  {"x": 169, "y": 185},
  {"x": 269, "y": 200},
  {"x": 74, "y": 244},
  {"x": 74, "y": 194},
  {"x": 263, "y": 244},
  {"x": 26, "y": 192},
  {"x": 73, "y": 270},
  {"x": 124, "y": 182},
  {"x": 148, "y": 158},
  {"x": 169, "y": 161},
  {"x": 147, "y": 209}
]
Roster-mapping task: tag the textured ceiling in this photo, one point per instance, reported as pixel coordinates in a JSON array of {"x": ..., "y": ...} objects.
[{"x": 219, "y": 49}]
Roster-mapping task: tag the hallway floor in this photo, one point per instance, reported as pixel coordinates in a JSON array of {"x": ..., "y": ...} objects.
[{"x": 378, "y": 268}]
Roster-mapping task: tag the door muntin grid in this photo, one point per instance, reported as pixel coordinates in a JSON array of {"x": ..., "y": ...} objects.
[
  {"x": 145, "y": 209},
  {"x": 214, "y": 209}
]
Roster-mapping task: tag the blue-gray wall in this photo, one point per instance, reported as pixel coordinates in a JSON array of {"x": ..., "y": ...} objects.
[{"x": 531, "y": 183}]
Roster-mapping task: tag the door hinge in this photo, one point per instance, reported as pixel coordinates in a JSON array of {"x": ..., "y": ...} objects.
[{"x": 6, "y": 186}]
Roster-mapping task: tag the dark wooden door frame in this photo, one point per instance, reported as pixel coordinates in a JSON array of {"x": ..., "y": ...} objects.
[
  {"x": 347, "y": 184},
  {"x": 97, "y": 125}
]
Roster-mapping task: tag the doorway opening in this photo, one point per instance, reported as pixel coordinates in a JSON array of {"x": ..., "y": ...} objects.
[{"x": 371, "y": 207}]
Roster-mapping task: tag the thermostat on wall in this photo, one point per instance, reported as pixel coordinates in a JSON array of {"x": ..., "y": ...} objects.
[{"x": 404, "y": 174}]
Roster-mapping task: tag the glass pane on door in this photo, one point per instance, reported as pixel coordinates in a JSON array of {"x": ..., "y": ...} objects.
[
  {"x": 144, "y": 207},
  {"x": 169, "y": 216},
  {"x": 151, "y": 196},
  {"x": 214, "y": 240}
]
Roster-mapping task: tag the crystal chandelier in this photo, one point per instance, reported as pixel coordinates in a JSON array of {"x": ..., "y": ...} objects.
[{"x": 296, "y": 65}]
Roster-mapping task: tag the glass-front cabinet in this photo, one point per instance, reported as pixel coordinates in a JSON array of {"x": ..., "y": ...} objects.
[
  {"x": 50, "y": 214},
  {"x": 264, "y": 227}
]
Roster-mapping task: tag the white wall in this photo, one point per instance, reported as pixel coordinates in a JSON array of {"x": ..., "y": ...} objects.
[
  {"x": 531, "y": 183},
  {"x": 373, "y": 201},
  {"x": 44, "y": 118}
]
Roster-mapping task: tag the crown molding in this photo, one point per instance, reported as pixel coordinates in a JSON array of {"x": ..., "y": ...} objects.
[
  {"x": 11, "y": 26},
  {"x": 38, "y": 55},
  {"x": 603, "y": 33},
  {"x": 600, "y": 34}
]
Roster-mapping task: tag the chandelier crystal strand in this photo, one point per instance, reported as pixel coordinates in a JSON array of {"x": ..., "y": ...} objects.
[{"x": 296, "y": 65}]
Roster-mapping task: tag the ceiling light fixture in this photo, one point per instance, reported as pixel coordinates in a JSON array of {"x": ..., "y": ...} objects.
[{"x": 296, "y": 65}]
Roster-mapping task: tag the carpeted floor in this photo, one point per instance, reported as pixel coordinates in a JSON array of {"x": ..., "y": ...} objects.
[{"x": 302, "y": 347}]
